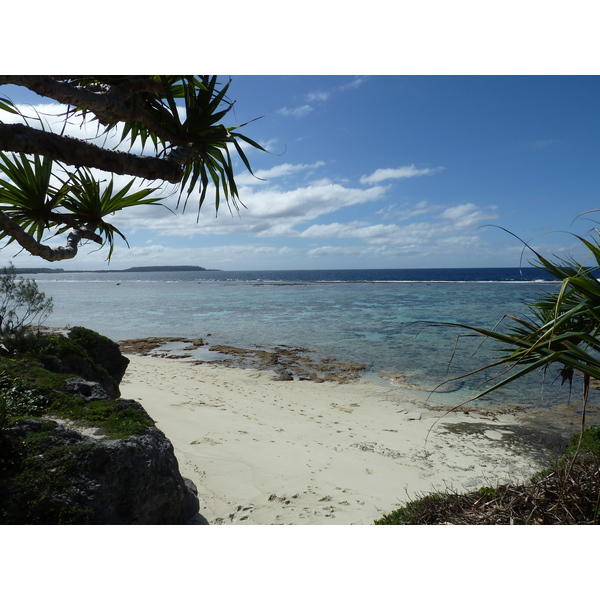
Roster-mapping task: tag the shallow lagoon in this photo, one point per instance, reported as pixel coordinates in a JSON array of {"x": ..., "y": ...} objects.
[{"x": 369, "y": 317}]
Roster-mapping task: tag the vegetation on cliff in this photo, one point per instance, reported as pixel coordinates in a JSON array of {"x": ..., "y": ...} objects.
[
  {"x": 71, "y": 450},
  {"x": 37, "y": 467}
]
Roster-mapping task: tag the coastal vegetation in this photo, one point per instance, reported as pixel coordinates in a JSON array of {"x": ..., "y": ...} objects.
[
  {"x": 73, "y": 453},
  {"x": 560, "y": 328},
  {"x": 36, "y": 364},
  {"x": 21, "y": 306},
  {"x": 567, "y": 493},
  {"x": 71, "y": 450},
  {"x": 47, "y": 185},
  {"x": 37, "y": 395}
]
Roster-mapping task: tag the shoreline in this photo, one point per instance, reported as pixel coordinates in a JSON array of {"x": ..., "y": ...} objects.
[{"x": 266, "y": 450}]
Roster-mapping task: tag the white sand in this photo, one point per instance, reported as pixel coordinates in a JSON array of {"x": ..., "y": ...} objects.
[{"x": 263, "y": 451}]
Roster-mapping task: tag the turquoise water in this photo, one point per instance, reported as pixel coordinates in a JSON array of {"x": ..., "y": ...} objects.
[{"x": 356, "y": 316}]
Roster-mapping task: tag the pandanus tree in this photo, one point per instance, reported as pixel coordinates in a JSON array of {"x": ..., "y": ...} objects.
[
  {"x": 561, "y": 327},
  {"x": 55, "y": 184}
]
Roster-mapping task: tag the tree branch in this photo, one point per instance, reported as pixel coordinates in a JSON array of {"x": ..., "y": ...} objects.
[
  {"x": 87, "y": 231},
  {"x": 109, "y": 105},
  {"x": 71, "y": 151},
  {"x": 38, "y": 249}
]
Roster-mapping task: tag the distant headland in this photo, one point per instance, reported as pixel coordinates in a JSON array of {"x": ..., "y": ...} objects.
[{"x": 32, "y": 270}]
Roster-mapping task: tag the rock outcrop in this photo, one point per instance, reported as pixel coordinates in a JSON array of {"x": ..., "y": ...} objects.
[
  {"x": 102, "y": 350},
  {"x": 77, "y": 453},
  {"x": 89, "y": 355},
  {"x": 77, "y": 476}
]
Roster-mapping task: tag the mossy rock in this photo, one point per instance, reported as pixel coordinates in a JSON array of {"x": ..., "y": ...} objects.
[
  {"x": 68, "y": 458},
  {"x": 59, "y": 476},
  {"x": 87, "y": 354},
  {"x": 102, "y": 350}
]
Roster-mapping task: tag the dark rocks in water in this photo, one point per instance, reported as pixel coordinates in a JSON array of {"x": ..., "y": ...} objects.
[
  {"x": 283, "y": 375},
  {"x": 282, "y": 359},
  {"x": 147, "y": 346}
]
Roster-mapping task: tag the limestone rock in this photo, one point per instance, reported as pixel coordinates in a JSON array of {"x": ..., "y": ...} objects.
[
  {"x": 89, "y": 390},
  {"x": 78, "y": 479}
]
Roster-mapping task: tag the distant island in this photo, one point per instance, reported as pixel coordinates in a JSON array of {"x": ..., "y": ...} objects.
[{"x": 30, "y": 270}]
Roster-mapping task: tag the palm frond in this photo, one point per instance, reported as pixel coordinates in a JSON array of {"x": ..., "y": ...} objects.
[
  {"x": 562, "y": 327},
  {"x": 27, "y": 195}
]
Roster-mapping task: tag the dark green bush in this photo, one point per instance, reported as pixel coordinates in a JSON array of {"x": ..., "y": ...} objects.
[
  {"x": 22, "y": 306},
  {"x": 17, "y": 399}
]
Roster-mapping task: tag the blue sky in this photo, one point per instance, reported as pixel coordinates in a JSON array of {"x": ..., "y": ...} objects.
[{"x": 385, "y": 172}]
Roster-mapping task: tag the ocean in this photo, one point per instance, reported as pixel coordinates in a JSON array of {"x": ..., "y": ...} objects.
[{"x": 373, "y": 317}]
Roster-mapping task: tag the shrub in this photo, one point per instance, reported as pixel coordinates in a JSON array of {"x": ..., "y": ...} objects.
[
  {"x": 17, "y": 399},
  {"x": 22, "y": 306}
]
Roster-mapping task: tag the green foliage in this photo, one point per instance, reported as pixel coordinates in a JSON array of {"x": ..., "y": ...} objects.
[
  {"x": 115, "y": 417},
  {"x": 487, "y": 493},
  {"x": 41, "y": 476},
  {"x": 22, "y": 306},
  {"x": 205, "y": 105},
  {"x": 588, "y": 442},
  {"x": 178, "y": 117},
  {"x": 561, "y": 327},
  {"x": 4, "y": 413},
  {"x": 26, "y": 193},
  {"x": 93, "y": 203},
  {"x": 36, "y": 199},
  {"x": 413, "y": 513},
  {"x": 18, "y": 399},
  {"x": 8, "y": 106},
  {"x": 33, "y": 385},
  {"x": 86, "y": 338}
]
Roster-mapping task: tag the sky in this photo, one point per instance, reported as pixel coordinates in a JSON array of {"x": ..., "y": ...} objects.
[
  {"x": 462, "y": 124},
  {"x": 380, "y": 171}
]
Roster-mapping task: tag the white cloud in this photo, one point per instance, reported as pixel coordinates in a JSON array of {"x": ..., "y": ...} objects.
[
  {"x": 467, "y": 215},
  {"x": 336, "y": 251},
  {"x": 227, "y": 256},
  {"x": 452, "y": 224},
  {"x": 318, "y": 96},
  {"x": 369, "y": 233},
  {"x": 355, "y": 83},
  {"x": 399, "y": 173},
  {"x": 403, "y": 214},
  {"x": 457, "y": 212},
  {"x": 308, "y": 202},
  {"x": 263, "y": 176},
  {"x": 298, "y": 111},
  {"x": 270, "y": 211}
]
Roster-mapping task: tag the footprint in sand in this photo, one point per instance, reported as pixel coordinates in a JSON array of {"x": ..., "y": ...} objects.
[
  {"x": 242, "y": 513},
  {"x": 205, "y": 440}
]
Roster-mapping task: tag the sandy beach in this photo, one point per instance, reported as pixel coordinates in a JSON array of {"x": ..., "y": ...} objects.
[{"x": 265, "y": 451}]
